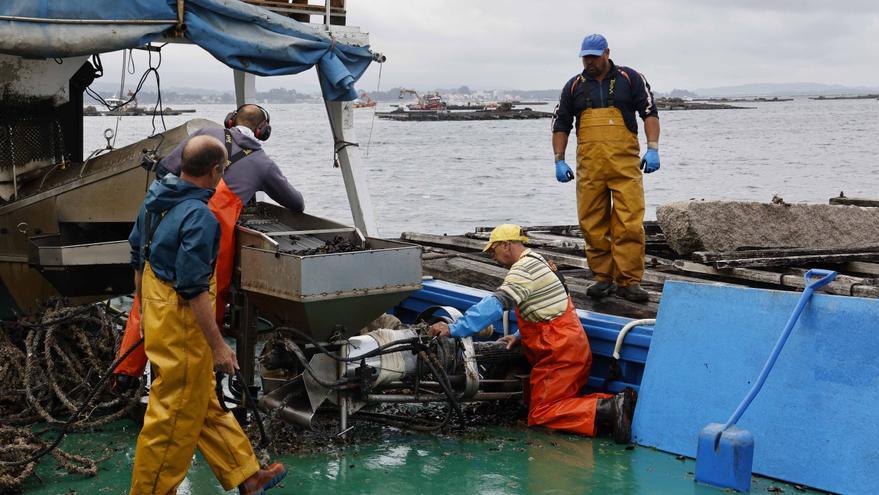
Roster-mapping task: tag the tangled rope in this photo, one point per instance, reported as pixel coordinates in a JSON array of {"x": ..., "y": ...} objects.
[
  {"x": 19, "y": 443},
  {"x": 49, "y": 366}
]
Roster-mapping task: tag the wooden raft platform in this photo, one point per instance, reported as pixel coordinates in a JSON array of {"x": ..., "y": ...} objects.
[
  {"x": 459, "y": 259},
  {"x": 445, "y": 115}
]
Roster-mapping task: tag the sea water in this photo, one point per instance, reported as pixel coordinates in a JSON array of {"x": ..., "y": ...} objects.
[{"x": 448, "y": 177}]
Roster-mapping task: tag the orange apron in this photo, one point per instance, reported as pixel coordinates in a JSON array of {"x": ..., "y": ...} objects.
[
  {"x": 226, "y": 206},
  {"x": 560, "y": 358}
]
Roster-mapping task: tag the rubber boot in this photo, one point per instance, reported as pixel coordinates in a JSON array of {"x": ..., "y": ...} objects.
[
  {"x": 263, "y": 480},
  {"x": 601, "y": 289},
  {"x": 615, "y": 414},
  {"x": 633, "y": 293}
]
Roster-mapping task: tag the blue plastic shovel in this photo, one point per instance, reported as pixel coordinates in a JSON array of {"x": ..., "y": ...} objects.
[{"x": 725, "y": 454}]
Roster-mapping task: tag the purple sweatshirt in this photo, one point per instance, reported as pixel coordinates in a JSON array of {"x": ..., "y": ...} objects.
[{"x": 255, "y": 172}]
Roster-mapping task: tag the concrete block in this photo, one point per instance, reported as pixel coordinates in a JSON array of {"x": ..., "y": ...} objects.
[{"x": 729, "y": 225}]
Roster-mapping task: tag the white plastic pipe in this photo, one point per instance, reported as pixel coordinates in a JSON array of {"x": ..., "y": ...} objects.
[{"x": 630, "y": 325}]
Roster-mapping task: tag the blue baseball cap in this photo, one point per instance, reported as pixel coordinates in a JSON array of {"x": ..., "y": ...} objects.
[{"x": 593, "y": 44}]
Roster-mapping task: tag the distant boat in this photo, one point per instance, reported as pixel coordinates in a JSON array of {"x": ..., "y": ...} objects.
[
  {"x": 363, "y": 101},
  {"x": 430, "y": 101},
  {"x": 115, "y": 102}
]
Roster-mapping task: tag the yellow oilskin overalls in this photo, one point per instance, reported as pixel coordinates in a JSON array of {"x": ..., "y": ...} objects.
[
  {"x": 183, "y": 411},
  {"x": 610, "y": 194}
]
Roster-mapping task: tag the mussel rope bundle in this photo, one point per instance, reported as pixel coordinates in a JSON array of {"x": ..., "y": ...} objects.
[
  {"x": 52, "y": 380},
  {"x": 20, "y": 443}
]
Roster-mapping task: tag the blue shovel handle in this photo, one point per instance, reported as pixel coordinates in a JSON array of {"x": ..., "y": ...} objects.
[{"x": 827, "y": 276}]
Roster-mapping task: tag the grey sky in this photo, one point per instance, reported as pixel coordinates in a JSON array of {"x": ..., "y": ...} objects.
[{"x": 526, "y": 44}]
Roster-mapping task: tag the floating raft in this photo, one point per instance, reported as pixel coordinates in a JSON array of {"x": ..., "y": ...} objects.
[
  {"x": 91, "y": 111},
  {"x": 422, "y": 116},
  {"x": 855, "y": 97},
  {"x": 743, "y": 100},
  {"x": 666, "y": 104}
]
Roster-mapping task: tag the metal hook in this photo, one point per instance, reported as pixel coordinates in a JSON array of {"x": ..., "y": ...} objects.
[{"x": 108, "y": 135}]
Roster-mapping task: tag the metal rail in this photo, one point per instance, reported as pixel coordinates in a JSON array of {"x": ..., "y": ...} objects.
[{"x": 17, "y": 18}]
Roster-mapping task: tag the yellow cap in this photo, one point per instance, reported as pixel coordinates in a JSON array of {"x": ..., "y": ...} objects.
[{"x": 505, "y": 232}]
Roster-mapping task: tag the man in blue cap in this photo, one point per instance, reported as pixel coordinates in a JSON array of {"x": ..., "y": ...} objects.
[{"x": 604, "y": 99}]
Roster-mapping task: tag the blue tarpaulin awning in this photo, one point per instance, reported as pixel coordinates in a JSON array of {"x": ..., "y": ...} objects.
[{"x": 240, "y": 35}]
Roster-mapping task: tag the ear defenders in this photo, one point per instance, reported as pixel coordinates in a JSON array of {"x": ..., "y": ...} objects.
[{"x": 263, "y": 130}]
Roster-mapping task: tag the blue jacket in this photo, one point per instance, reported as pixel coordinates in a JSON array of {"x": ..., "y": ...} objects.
[
  {"x": 631, "y": 94},
  {"x": 186, "y": 240}
]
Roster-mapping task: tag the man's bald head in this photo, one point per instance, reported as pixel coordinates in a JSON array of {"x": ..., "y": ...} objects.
[
  {"x": 250, "y": 116},
  {"x": 201, "y": 155}
]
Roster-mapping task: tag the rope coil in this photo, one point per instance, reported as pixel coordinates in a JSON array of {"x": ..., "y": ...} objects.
[{"x": 48, "y": 373}]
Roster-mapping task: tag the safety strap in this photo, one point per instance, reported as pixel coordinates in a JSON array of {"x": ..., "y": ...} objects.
[
  {"x": 610, "y": 92},
  {"x": 580, "y": 79},
  {"x": 150, "y": 230},
  {"x": 557, "y": 273},
  {"x": 613, "y": 80},
  {"x": 237, "y": 156}
]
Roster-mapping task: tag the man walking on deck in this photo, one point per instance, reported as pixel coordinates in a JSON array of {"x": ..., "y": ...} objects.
[
  {"x": 553, "y": 339},
  {"x": 174, "y": 245},
  {"x": 250, "y": 170},
  {"x": 610, "y": 193}
]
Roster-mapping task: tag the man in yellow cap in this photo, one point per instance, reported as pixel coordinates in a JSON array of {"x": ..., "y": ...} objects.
[{"x": 553, "y": 340}]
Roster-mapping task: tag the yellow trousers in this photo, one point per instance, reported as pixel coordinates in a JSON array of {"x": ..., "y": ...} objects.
[
  {"x": 183, "y": 411},
  {"x": 610, "y": 196}
]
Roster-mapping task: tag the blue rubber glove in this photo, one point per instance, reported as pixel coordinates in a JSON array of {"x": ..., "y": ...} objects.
[
  {"x": 479, "y": 316},
  {"x": 650, "y": 161},
  {"x": 563, "y": 172}
]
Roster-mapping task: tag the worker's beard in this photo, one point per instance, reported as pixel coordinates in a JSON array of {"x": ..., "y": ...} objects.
[{"x": 594, "y": 70}]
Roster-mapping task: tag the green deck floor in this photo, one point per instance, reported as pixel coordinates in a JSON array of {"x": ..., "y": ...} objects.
[{"x": 500, "y": 461}]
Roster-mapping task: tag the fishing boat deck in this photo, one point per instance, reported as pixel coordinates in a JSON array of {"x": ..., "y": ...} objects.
[{"x": 492, "y": 460}]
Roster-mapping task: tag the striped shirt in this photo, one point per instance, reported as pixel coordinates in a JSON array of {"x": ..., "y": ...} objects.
[{"x": 534, "y": 288}]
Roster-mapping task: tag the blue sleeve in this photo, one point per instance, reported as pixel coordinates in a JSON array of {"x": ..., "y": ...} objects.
[
  {"x": 563, "y": 117},
  {"x": 479, "y": 316},
  {"x": 134, "y": 240},
  {"x": 199, "y": 242},
  {"x": 642, "y": 96},
  {"x": 277, "y": 187}
]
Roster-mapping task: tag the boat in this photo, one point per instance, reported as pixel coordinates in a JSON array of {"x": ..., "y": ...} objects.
[
  {"x": 311, "y": 283},
  {"x": 363, "y": 101},
  {"x": 430, "y": 102}
]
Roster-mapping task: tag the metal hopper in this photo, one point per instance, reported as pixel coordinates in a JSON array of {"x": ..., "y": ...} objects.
[{"x": 321, "y": 293}]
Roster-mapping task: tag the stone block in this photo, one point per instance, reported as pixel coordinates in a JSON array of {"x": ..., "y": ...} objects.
[{"x": 730, "y": 225}]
